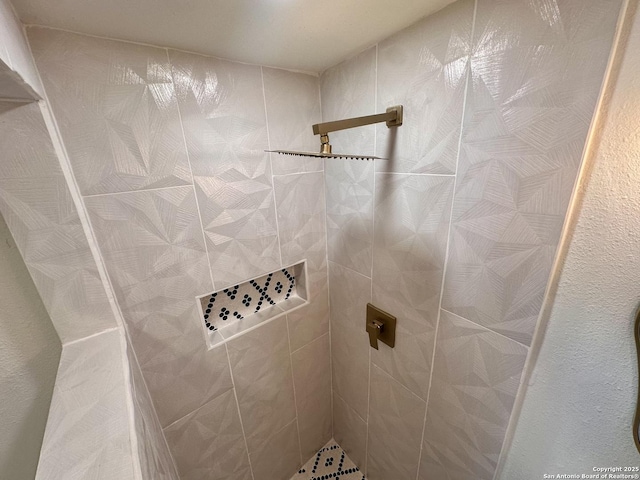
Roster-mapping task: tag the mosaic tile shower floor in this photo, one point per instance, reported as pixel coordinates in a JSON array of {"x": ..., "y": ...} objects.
[{"x": 331, "y": 462}]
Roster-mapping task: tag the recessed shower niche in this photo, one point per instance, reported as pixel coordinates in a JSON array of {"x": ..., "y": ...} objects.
[{"x": 241, "y": 307}]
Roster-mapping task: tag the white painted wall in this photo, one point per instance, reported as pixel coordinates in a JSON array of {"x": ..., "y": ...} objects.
[
  {"x": 578, "y": 409},
  {"x": 29, "y": 354}
]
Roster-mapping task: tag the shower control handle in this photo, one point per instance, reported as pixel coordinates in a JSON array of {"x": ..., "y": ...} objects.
[
  {"x": 374, "y": 329},
  {"x": 381, "y": 326}
]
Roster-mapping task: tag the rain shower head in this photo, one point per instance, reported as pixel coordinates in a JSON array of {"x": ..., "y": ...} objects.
[
  {"x": 324, "y": 155},
  {"x": 392, "y": 117}
]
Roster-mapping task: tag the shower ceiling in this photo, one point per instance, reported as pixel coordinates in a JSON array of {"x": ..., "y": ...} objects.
[{"x": 307, "y": 35}]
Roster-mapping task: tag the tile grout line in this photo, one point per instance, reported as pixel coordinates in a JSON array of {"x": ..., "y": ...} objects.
[
  {"x": 485, "y": 328},
  {"x": 295, "y": 397},
  {"x": 193, "y": 182},
  {"x": 273, "y": 185},
  {"x": 351, "y": 408},
  {"x": 154, "y": 189},
  {"x": 235, "y": 395},
  {"x": 297, "y": 173},
  {"x": 197, "y": 409},
  {"x": 416, "y": 174},
  {"x": 89, "y": 337},
  {"x": 309, "y": 343},
  {"x": 400, "y": 384},
  {"x": 326, "y": 251},
  {"x": 468, "y": 79},
  {"x": 373, "y": 232},
  {"x": 350, "y": 269},
  {"x": 275, "y": 208}
]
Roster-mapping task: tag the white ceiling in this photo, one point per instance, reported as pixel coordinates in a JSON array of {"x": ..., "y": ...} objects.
[{"x": 306, "y": 35}]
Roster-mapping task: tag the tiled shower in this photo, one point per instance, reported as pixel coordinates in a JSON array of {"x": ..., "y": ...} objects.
[{"x": 142, "y": 184}]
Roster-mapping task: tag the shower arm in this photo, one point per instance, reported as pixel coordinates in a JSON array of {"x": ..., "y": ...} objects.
[{"x": 392, "y": 117}]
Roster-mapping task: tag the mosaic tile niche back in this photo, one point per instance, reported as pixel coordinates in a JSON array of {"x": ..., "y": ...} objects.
[
  {"x": 263, "y": 295},
  {"x": 330, "y": 463}
]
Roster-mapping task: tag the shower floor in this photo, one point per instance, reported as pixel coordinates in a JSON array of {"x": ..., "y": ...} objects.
[{"x": 331, "y": 462}]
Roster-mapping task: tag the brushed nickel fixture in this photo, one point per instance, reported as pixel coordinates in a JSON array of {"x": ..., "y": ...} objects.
[
  {"x": 380, "y": 326},
  {"x": 392, "y": 117}
]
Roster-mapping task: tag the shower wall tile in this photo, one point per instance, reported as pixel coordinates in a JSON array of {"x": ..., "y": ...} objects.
[
  {"x": 312, "y": 381},
  {"x": 348, "y": 90},
  {"x": 293, "y": 106},
  {"x": 39, "y": 210},
  {"x": 222, "y": 110},
  {"x": 261, "y": 366},
  {"x": 534, "y": 88},
  {"x": 152, "y": 245},
  {"x": 278, "y": 458},
  {"x": 350, "y": 293},
  {"x": 527, "y": 91},
  {"x": 208, "y": 443},
  {"x": 12, "y": 87},
  {"x": 350, "y": 185},
  {"x": 411, "y": 225},
  {"x": 165, "y": 241},
  {"x": 475, "y": 380},
  {"x": 116, "y": 108},
  {"x": 425, "y": 68},
  {"x": 14, "y": 49},
  {"x": 301, "y": 221},
  {"x": 311, "y": 321},
  {"x": 350, "y": 431},
  {"x": 395, "y": 429},
  {"x": 156, "y": 461},
  {"x": 88, "y": 431}
]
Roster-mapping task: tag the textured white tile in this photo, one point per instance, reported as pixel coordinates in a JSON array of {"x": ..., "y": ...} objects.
[
  {"x": 348, "y": 90},
  {"x": 350, "y": 293},
  {"x": 293, "y": 106},
  {"x": 116, "y": 108},
  {"x": 156, "y": 461},
  {"x": 312, "y": 381},
  {"x": 301, "y": 219},
  {"x": 395, "y": 429},
  {"x": 411, "y": 224},
  {"x": 350, "y": 431},
  {"x": 279, "y": 457},
  {"x": 222, "y": 110},
  {"x": 301, "y": 222},
  {"x": 534, "y": 88},
  {"x": 424, "y": 68},
  {"x": 476, "y": 375},
  {"x": 14, "y": 49},
  {"x": 88, "y": 431},
  {"x": 261, "y": 366},
  {"x": 208, "y": 443},
  {"x": 12, "y": 87},
  {"x": 152, "y": 245},
  {"x": 5, "y": 33},
  {"x": 37, "y": 206},
  {"x": 349, "y": 190}
]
